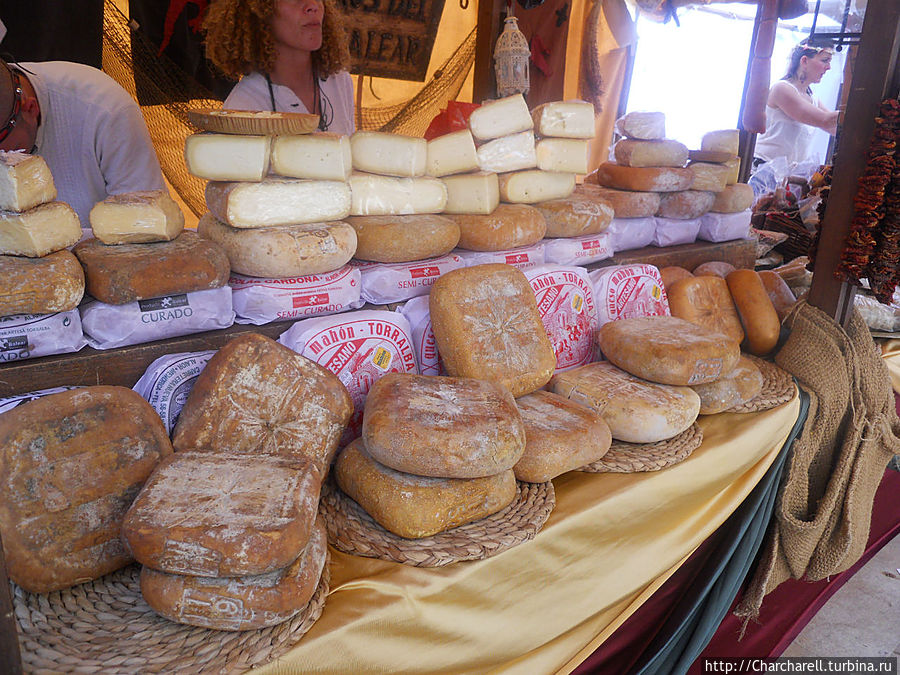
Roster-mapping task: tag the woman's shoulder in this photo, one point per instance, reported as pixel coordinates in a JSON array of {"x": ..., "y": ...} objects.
[{"x": 249, "y": 94}]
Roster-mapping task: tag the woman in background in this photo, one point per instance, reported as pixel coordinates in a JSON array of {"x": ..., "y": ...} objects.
[{"x": 292, "y": 56}]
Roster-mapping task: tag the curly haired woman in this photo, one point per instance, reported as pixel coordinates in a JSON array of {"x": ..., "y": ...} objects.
[{"x": 292, "y": 54}]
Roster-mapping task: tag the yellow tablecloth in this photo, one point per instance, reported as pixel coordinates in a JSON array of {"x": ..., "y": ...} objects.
[
  {"x": 890, "y": 350},
  {"x": 543, "y": 606}
]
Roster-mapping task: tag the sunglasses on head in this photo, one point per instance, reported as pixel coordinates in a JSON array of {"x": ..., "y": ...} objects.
[{"x": 10, "y": 124}]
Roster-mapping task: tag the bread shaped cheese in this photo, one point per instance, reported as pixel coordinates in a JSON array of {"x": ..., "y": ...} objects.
[
  {"x": 413, "y": 506},
  {"x": 758, "y": 315},
  {"x": 501, "y": 117},
  {"x": 53, "y": 283},
  {"x": 71, "y": 464},
  {"x": 227, "y": 156},
  {"x": 667, "y": 349},
  {"x": 715, "y": 268},
  {"x": 391, "y": 239},
  {"x": 635, "y": 410},
  {"x": 575, "y": 215},
  {"x": 564, "y": 119},
  {"x": 388, "y": 154},
  {"x": 780, "y": 293},
  {"x": 278, "y": 201},
  {"x": 39, "y": 231},
  {"x": 706, "y": 301},
  {"x": 320, "y": 156},
  {"x": 25, "y": 181},
  {"x": 673, "y": 273},
  {"x": 561, "y": 436},
  {"x": 642, "y": 125},
  {"x": 137, "y": 217},
  {"x": 533, "y": 185},
  {"x": 637, "y": 153},
  {"x": 625, "y": 203},
  {"x": 506, "y": 227},
  {"x": 451, "y": 153},
  {"x": 643, "y": 179},
  {"x": 487, "y": 325},
  {"x": 734, "y": 198},
  {"x": 685, "y": 205},
  {"x": 742, "y": 384}
]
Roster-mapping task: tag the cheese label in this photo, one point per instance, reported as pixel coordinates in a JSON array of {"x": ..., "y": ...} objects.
[
  {"x": 582, "y": 250},
  {"x": 168, "y": 381},
  {"x": 522, "y": 258},
  {"x": 394, "y": 282},
  {"x": 627, "y": 291},
  {"x": 417, "y": 313},
  {"x": 26, "y": 336}
]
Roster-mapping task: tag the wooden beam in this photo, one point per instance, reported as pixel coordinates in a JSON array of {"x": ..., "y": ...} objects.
[
  {"x": 747, "y": 140},
  {"x": 875, "y": 71},
  {"x": 484, "y": 84}
]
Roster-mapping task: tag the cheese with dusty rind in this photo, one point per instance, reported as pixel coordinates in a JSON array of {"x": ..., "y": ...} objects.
[
  {"x": 624, "y": 203},
  {"x": 564, "y": 119},
  {"x": 227, "y": 156},
  {"x": 320, "y": 156},
  {"x": 278, "y": 201},
  {"x": 643, "y": 179},
  {"x": 734, "y": 198},
  {"x": 451, "y": 153},
  {"x": 118, "y": 275},
  {"x": 25, "y": 181},
  {"x": 705, "y": 300},
  {"x": 647, "y": 126},
  {"x": 70, "y": 465},
  {"x": 506, "y": 227},
  {"x": 388, "y": 154},
  {"x": 445, "y": 427},
  {"x": 685, "y": 205},
  {"x": 137, "y": 217},
  {"x": 472, "y": 192},
  {"x": 487, "y": 325},
  {"x": 636, "y": 411},
  {"x": 561, "y": 436},
  {"x": 502, "y": 117},
  {"x": 533, "y": 185},
  {"x": 575, "y": 215},
  {"x": 723, "y": 140},
  {"x": 53, "y": 283},
  {"x": 636, "y": 153},
  {"x": 374, "y": 195},
  {"x": 742, "y": 384},
  {"x": 39, "y": 231},
  {"x": 391, "y": 239},
  {"x": 239, "y": 603},
  {"x": 667, "y": 349},
  {"x": 566, "y": 155},
  {"x": 413, "y": 506},
  {"x": 283, "y": 251},
  {"x": 709, "y": 177}
]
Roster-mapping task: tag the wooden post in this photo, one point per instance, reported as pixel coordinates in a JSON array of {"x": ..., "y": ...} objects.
[
  {"x": 876, "y": 70},
  {"x": 10, "y": 658},
  {"x": 483, "y": 84},
  {"x": 747, "y": 144}
]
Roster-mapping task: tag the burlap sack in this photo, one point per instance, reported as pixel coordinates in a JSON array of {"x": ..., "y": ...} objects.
[{"x": 821, "y": 522}]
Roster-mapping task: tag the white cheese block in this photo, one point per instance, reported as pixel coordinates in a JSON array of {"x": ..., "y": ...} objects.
[
  {"x": 374, "y": 195},
  {"x": 647, "y": 126},
  {"x": 137, "y": 217},
  {"x": 39, "y": 231},
  {"x": 734, "y": 170},
  {"x": 321, "y": 156},
  {"x": 25, "y": 181},
  {"x": 275, "y": 201},
  {"x": 567, "y": 155},
  {"x": 630, "y": 152},
  {"x": 227, "y": 156},
  {"x": 472, "y": 193},
  {"x": 564, "y": 119},
  {"x": 533, "y": 186},
  {"x": 734, "y": 198},
  {"x": 389, "y": 154},
  {"x": 724, "y": 140},
  {"x": 709, "y": 177},
  {"x": 508, "y": 153},
  {"x": 451, "y": 153},
  {"x": 502, "y": 117}
]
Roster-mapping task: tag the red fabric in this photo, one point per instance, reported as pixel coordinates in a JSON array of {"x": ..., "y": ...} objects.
[{"x": 455, "y": 117}]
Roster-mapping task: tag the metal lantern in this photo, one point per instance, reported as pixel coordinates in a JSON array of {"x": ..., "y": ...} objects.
[{"x": 511, "y": 54}]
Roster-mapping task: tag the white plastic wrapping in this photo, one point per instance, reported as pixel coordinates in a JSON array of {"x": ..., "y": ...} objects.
[
  {"x": 373, "y": 195},
  {"x": 259, "y": 301},
  {"x": 626, "y": 291},
  {"x": 395, "y": 282},
  {"x": 584, "y": 250},
  {"x": 416, "y": 311},
  {"x": 107, "y": 326},
  {"x": 629, "y": 233},
  {"x": 565, "y": 301},
  {"x": 522, "y": 257},
  {"x": 725, "y": 226},
  {"x": 167, "y": 383},
  {"x": 11, "y": 402},
  {"x": 508, "y": 153},
  {"x": 26, "y": 336},
  {"x": 672, "y": 231}
]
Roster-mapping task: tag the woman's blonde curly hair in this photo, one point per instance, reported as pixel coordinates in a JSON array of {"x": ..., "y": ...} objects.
[{"x": 239, "y": 38}]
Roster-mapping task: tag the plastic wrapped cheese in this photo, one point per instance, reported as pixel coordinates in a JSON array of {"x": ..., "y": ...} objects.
[
  {"x": 564, "y": 119},
  {"x": 583, "y": 250},
  {"x": 522, "y": 257},
  {"x": 724, "y": 226},
  {"x": 383, "y": 283},
  {"x": 626, "y": 234},
  {"x": 508, "y": 153},
  {"x": 575, "y": 215},
  {"x": 374, "y": 195},
  {"x": 416, "y": 312},
  {"x": 642, "y": 125},
  {"x": 278, "y": 201},
  {"x": 260, "y": 301},
  {"x": 502, "y": 117},
  {"x": 168, "y": 381},
  {"x": 685, "y": 204},
  {"x": 673, "y": 231},
  {"x": 637, "y": 153},
  {"x": 626, "y": 291},
  {"x": 26, "y": 336}
]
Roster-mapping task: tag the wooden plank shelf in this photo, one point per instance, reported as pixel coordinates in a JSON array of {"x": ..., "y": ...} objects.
[{"x": 739, "y": 252}]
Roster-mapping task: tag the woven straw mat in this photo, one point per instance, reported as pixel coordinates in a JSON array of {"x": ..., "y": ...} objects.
[
  {"x": 778, "y": 388},
  {"x": 352, "y": 530},
  {"x": 637, "y": 457}
]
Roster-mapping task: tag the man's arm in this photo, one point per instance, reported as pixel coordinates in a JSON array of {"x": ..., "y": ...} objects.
[{"x": 125, "y": 152}]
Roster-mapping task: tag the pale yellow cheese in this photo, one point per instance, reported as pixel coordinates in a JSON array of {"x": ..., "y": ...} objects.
[
  {"x": 533, "y": 185},
  {"x": 733, "y": 199},
  {"x": 564, "y": 119},
  {"x": 278, "y": 201},
  {"x": 567, "y": 155},
  {"x": 635, "y": 153},
  {"x": 451, "y": 153},
  {"x": 388, "y": 154},
  {"x": 322, "y": 156},
  {"x": 36, "y": 232},
  {"x": 508, "y": 153},
  {"x": 374, "y": 195},
  {"x": 709, "y": 177},
  {"x": 227, "y": 156},
  {"x": 502, "y": 117},
  {"x": 472, "y": 193},
  {"x": 723, "y": 140},
  {"x": 137, "y": 217},
  {"x": 647, "y": 126},
  {"x": 25, "y": 181},
  {"x": 734, "y": 170}
]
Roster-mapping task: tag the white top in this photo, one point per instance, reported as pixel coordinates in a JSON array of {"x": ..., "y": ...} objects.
[
  {"x": 92, "y": 135},
  {"x": 784, "y": 137},
  {"x": 252, "y": 93}
]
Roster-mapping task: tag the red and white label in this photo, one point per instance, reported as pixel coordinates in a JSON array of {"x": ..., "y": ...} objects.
[
  {"x": 416, "y": 312},
  {"x": 578, "y": 250},
  {"x": 383, "y": 283},
  {"x": 627, "y": 291},
  {"x": 522, "y": 258}
]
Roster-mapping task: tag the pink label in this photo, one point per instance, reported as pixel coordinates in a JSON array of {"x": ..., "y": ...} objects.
[
  {"x": 636, "y": 290},
  {"x": 566, "y": 304}
]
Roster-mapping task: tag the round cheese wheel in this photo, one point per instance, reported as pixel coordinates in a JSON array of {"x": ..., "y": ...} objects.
[
  {"x": 672, "y": 274},
  {"x": 667, "y": 349},
  {"x": 509, "y": 226},
  {"x": 575, "y": 215},
  {"x": 706, "y": 301},
  {"x": 780, "y": 293},
  {"x": 685, "y": 205},
  {"x": 650, "y": 153},
  {"x": 742, "y": 384},
  {"x": 624, "y": 203},
  {"x": 758, "y": 315},
  {"x": 391, "y": 239},
  {"x": 714, "y": 268},
  {"x": 646, "y": 179}
]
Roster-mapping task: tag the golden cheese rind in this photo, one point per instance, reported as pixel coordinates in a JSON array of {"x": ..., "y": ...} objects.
[
  {"x": 758, "y": 316},
  {"x": 508, "y": 226},
  {"x": 742, "y": 384},
  {"x": 575, "y": 215},
  {"x": 54, "y": 283},
  {"x": 643, "y": 179},
  {"x": 391, "y": 239},
  {"x": 624, "y": 203},
  {"x": 706, "y": 301}
]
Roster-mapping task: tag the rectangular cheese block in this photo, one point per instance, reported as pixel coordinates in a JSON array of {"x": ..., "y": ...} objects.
[
  {"x": 508, "y": 153},
  {"x": 451, "y": 153},
  {"x": 389, "y": 154},
  {"x": 321, "y": 156},
  {"x": 723, "y": 140},
  {"x": 647, "y": 126},
  {"x": 502, "y": 117},
  {"x": 374, "y": 195},
  {"x": 53, "y": 283},
  {"x": 532, "y": 186},
  {"x": 278, "y": 201},
  {"x": 227, "y": 156},
  {"x": 709, "y": 177},
  {"x": 44, "y": 229},
  {"x": 25, "y": 181},
  {"x": 564, "y": 119},
  {"x": 472, "y": 193},
  {"x": 567, "y": 155},
  {"x": 137, "y": 217},
  {"x": 734, "y": 170},
  {"x": 634, "y": 153}
]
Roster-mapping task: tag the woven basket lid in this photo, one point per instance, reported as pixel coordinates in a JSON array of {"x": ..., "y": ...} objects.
[{"x": 252, "y": 122}]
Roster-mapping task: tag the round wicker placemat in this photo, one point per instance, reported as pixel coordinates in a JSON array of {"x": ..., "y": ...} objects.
[
  {"x": 352, "y": 530},
  {"x": 104, "y": 626},
  {"x": 778, "y": 388},
  {"x": 252, "y": 123},
  {"x": 637, "y": 457}
]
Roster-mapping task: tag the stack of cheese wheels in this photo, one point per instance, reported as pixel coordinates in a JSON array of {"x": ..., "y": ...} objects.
[
  {"x": 39, "y": 275},
  {"x": 435, "y": 453},
  {"x": 276, "y": 203},
  {"x": 716, "y": 167},
  {"x": 227, "y": 527}
]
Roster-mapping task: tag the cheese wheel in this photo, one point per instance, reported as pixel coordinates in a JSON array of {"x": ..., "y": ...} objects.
[
  {"x": 39, "y": 231},
  {"x": 706, "y": 301},
  {"x": 508, "y": 226},
  {"x": 637, "y": 153},
  {"x": 625, "y": 203},
  {"x": 487, "y": 325},
  {"x": 391, "y": 239},
  {"x": 758, "y": 315},
  {"x": 451, "y": 153},
  {"x": 733, "y": 199},
  {"x": 642, "y": 125},
  {"x": 685, "y": 205},
  {"x": 779, "y": 292},
  {"x": 227, "y": 156},
  {"x": 444, "y": 427},
  {"x": 709, "y": 177},
  {"x": 54, "y": 283},
  {"x": 284, "y": 251},
  {"x": 567, "y": 155},
  {"x": 673, "y": 273},
  {"x": 278, "y": 201},
  {"x": 644, "y": 179},
  {"x": 320, "y": 156},
  {"x": 561, "y": 436},
  {"x": 636, "y": 411},
  {"x": 715, "y": 268},
  {"x": 564, "y": 119},
  {"x": 413, "y": 506},
  {"x": 575, "y": 216},
  {"x": 472, "y": 193},
  {"x": 742, "y": 384},
  {"x": 502, "y": 117},
  {"x": 533, "y": 185},
  {"x": 25, "y": 181},
  {"x": 724, "y": 140},
  {"x": 388, "y": 154},
  {"x": 508, "y": 153},
  {"x": 667, "y": 349}
]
